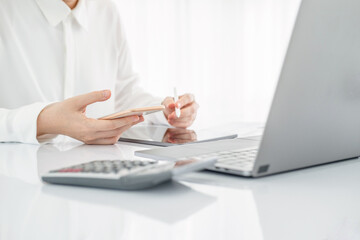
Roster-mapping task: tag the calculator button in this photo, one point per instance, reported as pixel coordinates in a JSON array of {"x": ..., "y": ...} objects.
[
  {"x": 72, "y": 170},
  {"x": 117, "y": 167}
]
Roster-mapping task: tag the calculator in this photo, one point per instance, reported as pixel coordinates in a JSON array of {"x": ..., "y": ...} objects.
[{"x": 124, "y": 174}]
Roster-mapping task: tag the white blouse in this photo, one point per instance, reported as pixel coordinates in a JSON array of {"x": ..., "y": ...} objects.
[{"x": 49, "y": 52}]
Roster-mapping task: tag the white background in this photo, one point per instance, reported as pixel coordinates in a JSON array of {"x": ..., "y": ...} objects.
[{"x": 227, "y": 52}]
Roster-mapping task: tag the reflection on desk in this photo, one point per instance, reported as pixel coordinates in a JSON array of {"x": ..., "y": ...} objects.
[
  {"x": 160, "y": 135},
  {"x": 37, "y": 202},
  {"x": 315, "y": 203}
]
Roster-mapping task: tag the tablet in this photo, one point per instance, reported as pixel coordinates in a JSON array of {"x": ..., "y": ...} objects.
[
  {"x": 132, "y": 112},
  {"x": 159, "y": 135}
]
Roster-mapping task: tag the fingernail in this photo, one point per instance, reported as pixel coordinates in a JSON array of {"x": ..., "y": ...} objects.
[
  {"x": 106, "y": 93},
  {"x": 135, "y": 118}
]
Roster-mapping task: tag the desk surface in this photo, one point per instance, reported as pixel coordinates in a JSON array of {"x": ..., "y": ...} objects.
[{"x": 315, "y": 203}]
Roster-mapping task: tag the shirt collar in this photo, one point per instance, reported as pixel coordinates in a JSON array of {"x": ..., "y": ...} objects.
[
  {"x": 56, "y": 11},
  {"x": 80, "y": 14}
]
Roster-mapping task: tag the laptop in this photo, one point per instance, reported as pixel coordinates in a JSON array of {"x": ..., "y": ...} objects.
[{"x": 315, "y": 114}]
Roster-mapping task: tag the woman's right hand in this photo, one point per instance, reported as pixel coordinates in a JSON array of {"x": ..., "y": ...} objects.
[{"x": 68, "y": 118}]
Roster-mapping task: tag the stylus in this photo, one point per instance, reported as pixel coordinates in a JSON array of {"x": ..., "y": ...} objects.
[{"x": 176, "y": 98}]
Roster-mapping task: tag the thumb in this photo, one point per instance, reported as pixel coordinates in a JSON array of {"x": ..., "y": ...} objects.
[{"x": 82, "y": 101}]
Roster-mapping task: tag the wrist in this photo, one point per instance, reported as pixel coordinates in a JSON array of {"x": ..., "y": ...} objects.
[{"x": 43, "y": 121}]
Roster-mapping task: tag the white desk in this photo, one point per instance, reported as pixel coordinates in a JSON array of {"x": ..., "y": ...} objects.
[{"x": 316, "y": 203}]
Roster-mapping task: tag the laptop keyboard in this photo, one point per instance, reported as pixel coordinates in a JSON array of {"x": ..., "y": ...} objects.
[{"x": 239, "y": 160}]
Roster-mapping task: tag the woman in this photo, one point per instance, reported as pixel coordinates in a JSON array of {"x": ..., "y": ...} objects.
[{"x": 51, "y": 50}]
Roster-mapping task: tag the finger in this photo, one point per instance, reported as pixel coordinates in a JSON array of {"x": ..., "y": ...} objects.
[
  {"x": 141, "y": 118},
  {"x": 182, "y": 123},
  {"x": 116, "y": 133},
  {"x": 112, "y": 133},
  {"x": 185, "y": 136},
  {"x": 190, "y": 110},
  {"x": 174, "y": 131},
  {"x": 131, "y": 121},
  {"x": 169, "y": 106},
  {"x": 169, "y": 103},
  {"x": 185, "y": 100},
  {"x": 82, "y": 101},
  {"x": 127, "y": 126},
  {"x": 181, "y": 118},
  {"x": 106, "y": 125}
]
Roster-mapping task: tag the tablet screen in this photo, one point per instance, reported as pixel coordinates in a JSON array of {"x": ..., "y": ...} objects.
[{"x": 167, "y": 136}]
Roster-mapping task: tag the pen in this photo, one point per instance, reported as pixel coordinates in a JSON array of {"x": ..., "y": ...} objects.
[{"x": 176, "y": 98}]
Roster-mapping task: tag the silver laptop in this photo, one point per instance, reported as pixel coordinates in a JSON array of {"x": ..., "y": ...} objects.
[{"x": 315, "y": 114}]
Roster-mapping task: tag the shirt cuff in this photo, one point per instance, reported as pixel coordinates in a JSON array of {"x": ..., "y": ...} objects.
[
  {"x": 27, "y": 122},
  {"x": 21, "y": 123}
]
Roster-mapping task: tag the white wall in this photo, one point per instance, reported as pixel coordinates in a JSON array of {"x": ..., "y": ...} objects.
[{"x": 227, "y": 52}]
